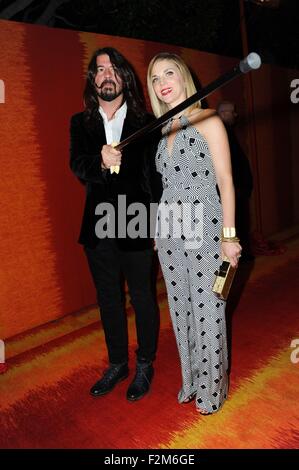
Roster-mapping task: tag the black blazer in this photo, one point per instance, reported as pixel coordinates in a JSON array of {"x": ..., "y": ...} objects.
[{"x": 137, "y": 179}]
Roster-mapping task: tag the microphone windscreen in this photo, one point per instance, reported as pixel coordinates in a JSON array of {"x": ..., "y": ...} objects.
[{"x": 251, "y": 62}]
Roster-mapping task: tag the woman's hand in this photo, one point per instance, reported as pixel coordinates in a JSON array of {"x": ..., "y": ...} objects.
[
  {"x": 232, "y": 250},
  {"x": 110, "y": 156}
]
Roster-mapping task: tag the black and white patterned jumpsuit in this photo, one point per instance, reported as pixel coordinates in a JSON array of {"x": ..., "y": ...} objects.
[{"x": 189, "y": 264}]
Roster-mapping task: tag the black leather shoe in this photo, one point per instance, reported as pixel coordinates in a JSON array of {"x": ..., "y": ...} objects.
[
  {"x": 141, "y": 383},
  {"x": 116, "y": 373}
]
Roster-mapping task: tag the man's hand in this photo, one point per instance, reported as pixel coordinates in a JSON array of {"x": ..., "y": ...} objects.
[{"x": 110, "y": 157}]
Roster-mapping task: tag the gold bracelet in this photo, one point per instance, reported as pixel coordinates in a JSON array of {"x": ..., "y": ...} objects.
[
  {"x": 228, "y": 232},
  {"x": 230, "y": 239}
]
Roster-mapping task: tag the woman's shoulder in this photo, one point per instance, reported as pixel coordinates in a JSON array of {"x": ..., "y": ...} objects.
[
  {"x": 205, "y": 120},
  {"x": 201, "y": 115}
]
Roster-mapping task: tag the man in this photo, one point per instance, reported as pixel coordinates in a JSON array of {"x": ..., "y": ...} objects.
[
  {"x": 114, "y": 110},
  {"x": 242, "y": 178}
]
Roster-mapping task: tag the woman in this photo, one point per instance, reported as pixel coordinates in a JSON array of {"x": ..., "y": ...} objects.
[{"x": 193, "y": 156}]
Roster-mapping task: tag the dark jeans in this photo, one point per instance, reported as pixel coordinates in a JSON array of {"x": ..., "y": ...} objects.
[{"x": 108, "y": 265}]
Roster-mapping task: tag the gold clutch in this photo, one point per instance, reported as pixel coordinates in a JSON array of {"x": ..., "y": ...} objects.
[{"x": 224, "y": 279}]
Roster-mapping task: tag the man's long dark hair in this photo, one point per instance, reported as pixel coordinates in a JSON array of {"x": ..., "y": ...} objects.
[{"x": 132, "y": 90}]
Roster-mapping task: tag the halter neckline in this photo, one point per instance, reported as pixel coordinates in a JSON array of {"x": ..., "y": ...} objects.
[{"x": 183, "y": 120}]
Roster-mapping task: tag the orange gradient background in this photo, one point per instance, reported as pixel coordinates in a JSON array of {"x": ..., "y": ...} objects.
[{"x": 43, "y": 273}]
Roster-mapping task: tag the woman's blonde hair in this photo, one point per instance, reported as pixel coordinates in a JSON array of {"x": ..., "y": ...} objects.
[{"x": 158, "y": 106}]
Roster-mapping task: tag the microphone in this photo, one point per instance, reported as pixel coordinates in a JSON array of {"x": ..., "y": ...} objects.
[{"x": 251, "y": 62}]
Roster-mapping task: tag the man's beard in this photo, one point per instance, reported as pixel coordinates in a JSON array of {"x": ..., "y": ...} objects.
[{"x": 108, "y": 93}]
